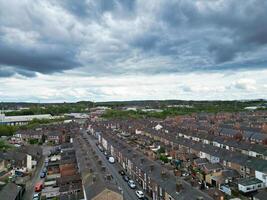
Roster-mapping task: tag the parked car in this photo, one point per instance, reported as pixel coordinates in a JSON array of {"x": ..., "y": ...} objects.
[
  {"x": 100, "y": 148},
  {"x": 185, "y": 174},
  {"x": 139, "y": 194},
  {"x": 111, "y": 160},
  {"x": 45, "y": 170},
  {"x": 19, "y": 173},
  {"x": 126, "y": 178},
  {"x": 42, "y": 175},
  {"x": 131, "y": 184},
  {"x": 121, "y": 172},
  {"x": 144, "y": 198},
  {"x": 36, "y": 196},
  {"x": 38, "y": 187}
]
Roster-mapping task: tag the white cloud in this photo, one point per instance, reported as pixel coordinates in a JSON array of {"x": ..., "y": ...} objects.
[
  {"x": 245, "y": 84},
  {"x": 197, "y": 86}
]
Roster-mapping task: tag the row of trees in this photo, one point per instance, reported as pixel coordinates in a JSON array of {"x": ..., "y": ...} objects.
[
  {"x": 54, "y": 109},
  {"x": 169, "y": 112},
  {"x": 7, "y": 130}
]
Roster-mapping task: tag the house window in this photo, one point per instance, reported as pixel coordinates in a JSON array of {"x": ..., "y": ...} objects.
[{"x": 259, "y": 185}]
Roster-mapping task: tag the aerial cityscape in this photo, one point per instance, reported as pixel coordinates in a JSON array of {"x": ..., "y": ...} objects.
[{"x": 133, "y": 99}]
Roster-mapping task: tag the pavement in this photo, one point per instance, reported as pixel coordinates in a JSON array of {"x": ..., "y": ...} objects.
[{"x": 128, "y": 193}]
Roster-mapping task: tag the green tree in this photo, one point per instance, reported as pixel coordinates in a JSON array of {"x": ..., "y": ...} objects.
[
  {"x": 164, "y": 158},
  {"x": 7, "y": 130},
  {"x": 161, "y": 150}
]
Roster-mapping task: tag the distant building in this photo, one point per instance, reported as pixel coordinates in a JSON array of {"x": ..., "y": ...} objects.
[
  {"x": 21, "y": 120},
  {"x": 77, "y": 115}
]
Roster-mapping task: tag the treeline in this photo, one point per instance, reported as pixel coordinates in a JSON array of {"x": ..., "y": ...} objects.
[
  {"x": 54, "y": 109},
  {"x": 192, "y": 106},
  {"x": 175, "y": 111},
  {"x": 165, "y": 103},
  {"x": 7, "y": 130},
  {"x": 4, "y": 145}
]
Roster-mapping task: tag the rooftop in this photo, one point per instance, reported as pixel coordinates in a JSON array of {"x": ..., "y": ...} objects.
[{"x": 249, "y": 181}]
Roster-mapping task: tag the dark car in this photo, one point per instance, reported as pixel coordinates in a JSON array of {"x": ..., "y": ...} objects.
[
  {"x": 144, "y": 198},
  {"x": 121, "y": 172},
  {"x": 126, "y": 178},
  {"x": 42, "y": 175}
]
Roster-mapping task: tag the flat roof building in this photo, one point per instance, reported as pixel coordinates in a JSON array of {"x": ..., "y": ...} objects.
[{"x": 21, "y": 119}]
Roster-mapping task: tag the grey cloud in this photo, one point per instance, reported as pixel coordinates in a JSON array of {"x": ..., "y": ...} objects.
[
  {"x": 5, "y": 72},
  {"x": 78, "y": 8},
  {"x": 44, "y": 60},
  {"x": 131, "y": 37},
  {"x": 94, "y": 9}
]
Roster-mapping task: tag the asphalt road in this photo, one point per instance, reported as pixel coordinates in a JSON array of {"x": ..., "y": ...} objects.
[
  {"x": 31, "y": 183},
  {"x": 128, "y": 193}
]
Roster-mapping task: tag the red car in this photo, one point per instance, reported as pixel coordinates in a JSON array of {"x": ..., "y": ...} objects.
[{"x": 38, "y": 187}]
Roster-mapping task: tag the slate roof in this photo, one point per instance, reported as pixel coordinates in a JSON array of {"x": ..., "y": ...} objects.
[
  {"x": 10, "y": 191},
  {"x": 168, "y": 183},
  {"x": 261, "y": 195},
  {"x": 249, "y": 181}
]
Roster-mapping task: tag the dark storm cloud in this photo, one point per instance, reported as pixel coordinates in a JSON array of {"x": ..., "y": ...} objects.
[
  {"x": 44, "y": 60},
  {"x": 128, "y": 36},
  {"x": 5, "y": 72}
]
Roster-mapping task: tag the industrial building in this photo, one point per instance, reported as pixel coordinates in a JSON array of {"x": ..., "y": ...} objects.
[{"x": 21, "y": 120}]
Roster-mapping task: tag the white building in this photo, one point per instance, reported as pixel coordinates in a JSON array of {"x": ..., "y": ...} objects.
[
  {"x": 23, "y": 119},
  {"x": 250, "y": 184},
  {"x": 261, "y": 176},
  {"x": 158, "y": 127}
]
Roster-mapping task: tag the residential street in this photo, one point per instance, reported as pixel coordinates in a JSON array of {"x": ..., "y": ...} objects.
[
  {"x": 36, "y": 175},
  {"x": 128, "y": 193},
  {"x": 35, "y": 178}
]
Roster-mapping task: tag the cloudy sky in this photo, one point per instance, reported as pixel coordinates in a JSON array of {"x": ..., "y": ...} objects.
[{"x": 100, "y": 50}]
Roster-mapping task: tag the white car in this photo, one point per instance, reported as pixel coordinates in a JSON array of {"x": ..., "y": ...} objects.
[
  {"x": 36, "y": 196},
  {"x": 111, "y": 160},
  {"x": 139, "y": 194},
  {"x": 185, "y": 174},
  {"x": 131, "y": 184}
]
